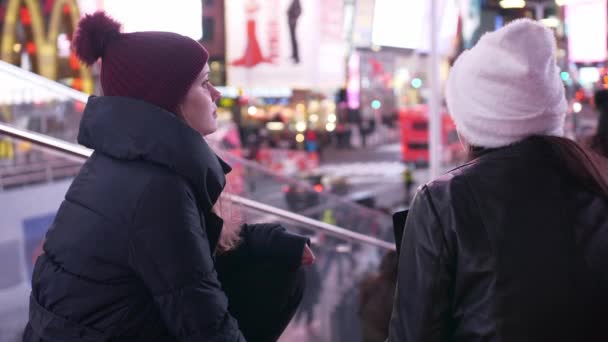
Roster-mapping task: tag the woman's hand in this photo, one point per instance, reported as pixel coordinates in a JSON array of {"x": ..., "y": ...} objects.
[{"x": 308, "y": 257}]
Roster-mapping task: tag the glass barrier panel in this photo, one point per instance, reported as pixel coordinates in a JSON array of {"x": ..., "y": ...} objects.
[
  {"x": 315, "y": 195},
  {"x": 32, "y": 102},
  {"x": 33, "y": 182},
  {"x": 345, "y": 298}
]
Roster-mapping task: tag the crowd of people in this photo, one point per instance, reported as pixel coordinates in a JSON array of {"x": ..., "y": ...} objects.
[{"x": 511, "y": 246}]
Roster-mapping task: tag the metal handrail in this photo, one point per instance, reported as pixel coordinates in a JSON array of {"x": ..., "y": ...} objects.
[
  {"x": 43, "y": 82},
  {"x": 82, "y": 152},
  {"x": 309, "y": 211},
  {"x": 327, "y": 228},
  {"x": 46, "y": 141}
]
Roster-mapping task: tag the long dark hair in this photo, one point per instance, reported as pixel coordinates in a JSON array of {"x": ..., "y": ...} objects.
[
  {"x": 589, "y": 168},
  {"x": 599, "y": 141}
]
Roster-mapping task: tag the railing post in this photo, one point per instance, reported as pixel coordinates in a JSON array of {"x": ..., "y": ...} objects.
[{"x": 434, "y": 100}]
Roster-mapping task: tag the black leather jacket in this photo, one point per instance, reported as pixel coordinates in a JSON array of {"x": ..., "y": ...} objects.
[{"x": 508, "y": 247}]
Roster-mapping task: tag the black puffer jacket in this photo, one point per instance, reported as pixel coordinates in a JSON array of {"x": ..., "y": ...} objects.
[
  {"x": 508, "y": 247},
  {"x": 130, "y": 254}
]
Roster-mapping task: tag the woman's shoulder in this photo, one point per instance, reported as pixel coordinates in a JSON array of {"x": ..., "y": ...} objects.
[
  {"x": 121, "y": 183},
  {"x": 114, "y": 188},
  {"x": 452, "y": 182},
  {"x": 159, "y": 180},
  {"x": 142, "y": 171}
]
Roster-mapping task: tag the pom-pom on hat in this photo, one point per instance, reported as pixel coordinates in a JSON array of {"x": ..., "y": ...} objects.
[
  {"x": 157, "y": 67},
  {"x": 507, "y": 87}
]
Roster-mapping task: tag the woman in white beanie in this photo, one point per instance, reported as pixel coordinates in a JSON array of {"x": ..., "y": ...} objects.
[{"x": 512, "y": 246}]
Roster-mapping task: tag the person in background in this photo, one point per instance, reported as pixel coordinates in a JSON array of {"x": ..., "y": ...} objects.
[
  {"x": 144, "y": 248},
  {"x": 293, "y": 14},
  {"x": 408, "y": 183},
  {"x": 312, "y": 295},
  {"x": 253, "y": 148},
  {"x": 311, "y": 142},
  {"x": 513, "y": 245},
  {"x": 599, "y": 141},
  {"x": 376, "y": 296}
]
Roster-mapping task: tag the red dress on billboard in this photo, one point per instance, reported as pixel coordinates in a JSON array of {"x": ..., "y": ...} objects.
[{"x": 253, "y": 54}]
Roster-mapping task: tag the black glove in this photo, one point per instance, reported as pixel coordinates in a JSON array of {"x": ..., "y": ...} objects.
[{"x": 271, "y": 240}]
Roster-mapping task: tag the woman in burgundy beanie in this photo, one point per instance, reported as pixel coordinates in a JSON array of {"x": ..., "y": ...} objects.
[{"x": 138, "y": 250}]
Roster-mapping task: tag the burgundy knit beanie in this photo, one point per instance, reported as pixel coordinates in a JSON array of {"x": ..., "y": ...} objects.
[{"x": 157, "y": 67}]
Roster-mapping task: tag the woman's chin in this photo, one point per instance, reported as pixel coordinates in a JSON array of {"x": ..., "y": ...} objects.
[{"x": 209, "y": 130}]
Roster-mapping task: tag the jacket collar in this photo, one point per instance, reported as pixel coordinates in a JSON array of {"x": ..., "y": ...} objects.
[
  {"x": 130, "y": 129},
  {"x": 533, "y": 147}
]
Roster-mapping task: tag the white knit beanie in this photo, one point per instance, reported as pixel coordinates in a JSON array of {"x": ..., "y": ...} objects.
[{"x": 508, "y": 87}]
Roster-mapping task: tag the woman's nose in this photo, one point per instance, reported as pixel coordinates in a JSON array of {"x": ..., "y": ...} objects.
[{"x": 215, "y": 94}]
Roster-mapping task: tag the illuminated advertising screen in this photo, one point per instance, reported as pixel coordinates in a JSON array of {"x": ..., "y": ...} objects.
[
  {"x": 586, "y": 29},
  {"x": 184, "y": 16},
  {"x": 285, "y": 43},
  {"x": 405, "y": 24}
]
